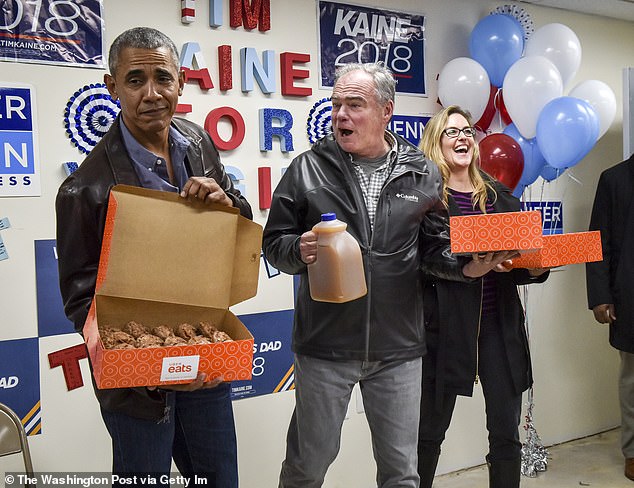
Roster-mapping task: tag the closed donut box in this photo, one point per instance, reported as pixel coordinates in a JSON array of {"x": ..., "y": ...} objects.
[
  {"x": 505, "y": 231},
  {"x": 166, "y": 261},
  {"x": 563, "y": 249}
]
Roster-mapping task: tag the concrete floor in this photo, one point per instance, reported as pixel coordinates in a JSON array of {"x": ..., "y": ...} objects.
[{"x": 594, "y": 461}]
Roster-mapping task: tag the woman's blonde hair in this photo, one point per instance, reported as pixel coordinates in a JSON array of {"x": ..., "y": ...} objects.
[{"x": 431, "y": 146}]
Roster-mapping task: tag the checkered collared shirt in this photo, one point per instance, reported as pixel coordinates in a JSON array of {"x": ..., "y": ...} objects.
[{"x": 372, "y": 184}]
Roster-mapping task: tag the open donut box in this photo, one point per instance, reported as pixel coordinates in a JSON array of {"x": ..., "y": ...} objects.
[{"x": 166, "y": 260}]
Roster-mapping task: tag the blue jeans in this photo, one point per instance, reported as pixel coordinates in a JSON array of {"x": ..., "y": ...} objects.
[
  {"x": 198, "y": 433},
  {"x": 391, "y": 399}
]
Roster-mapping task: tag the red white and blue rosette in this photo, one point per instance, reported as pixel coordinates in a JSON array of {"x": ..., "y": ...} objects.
[
  {"x": 89, "y": 114},
  {"x": 319, "y": 122},
  {"x": 522, "y": 16}
]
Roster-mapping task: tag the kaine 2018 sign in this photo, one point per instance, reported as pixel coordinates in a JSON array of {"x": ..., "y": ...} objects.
[
  {"x": 19, "y": 159},
  {"x": 356, "y": 34},
  {"x": 52, "y": 32}
]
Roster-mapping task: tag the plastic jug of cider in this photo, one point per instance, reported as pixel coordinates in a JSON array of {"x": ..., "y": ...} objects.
[{"x": 337, "y": 274}]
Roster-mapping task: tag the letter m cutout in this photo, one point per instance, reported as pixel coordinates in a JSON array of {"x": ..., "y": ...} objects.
[{"x": 254, "y": 13}]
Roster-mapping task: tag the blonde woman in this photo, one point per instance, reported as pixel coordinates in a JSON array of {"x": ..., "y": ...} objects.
[{"x": 475, "y": 331}]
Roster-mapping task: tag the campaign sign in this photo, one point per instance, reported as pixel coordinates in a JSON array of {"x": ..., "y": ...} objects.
[
  {"x": 552, "y": 215},
  {"x": 19, "y": 158},
  {"x": 20, "y": 381},
  {"x": 410, "y": 127},
  {"x": 272, "y": 355},
  {"x": 51, "y": 319},
  {"x": 356, "y": 34},
  {"x": 52, "y": 32}
]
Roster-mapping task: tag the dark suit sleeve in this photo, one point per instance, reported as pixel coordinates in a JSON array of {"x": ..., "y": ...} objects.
[{"x": 598, "y": 273}]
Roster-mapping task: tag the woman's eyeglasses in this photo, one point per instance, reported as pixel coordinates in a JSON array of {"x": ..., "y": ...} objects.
[{"x": 454, "y": 132}]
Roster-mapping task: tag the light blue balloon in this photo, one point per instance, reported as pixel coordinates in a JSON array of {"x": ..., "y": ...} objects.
[
  {"x": 496, "y": 42},
  {"x": 567, "y": 129},
  {"x": 533, "y": 159},
  {"x": 549, "y": 173}
]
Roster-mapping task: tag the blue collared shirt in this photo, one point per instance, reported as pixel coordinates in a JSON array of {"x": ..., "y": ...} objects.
[{"x": 152, "y": 169}]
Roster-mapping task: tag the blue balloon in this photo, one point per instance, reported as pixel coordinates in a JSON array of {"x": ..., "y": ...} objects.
[
  {"x": 549, "y": 173},
  {"x": 496, "y": 42},
  {"x": 533, "y": 159},
  {"x": 567, "y": 128}
]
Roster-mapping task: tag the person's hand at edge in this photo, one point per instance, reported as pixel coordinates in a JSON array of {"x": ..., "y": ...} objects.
[{"x": 604, "y": 313}]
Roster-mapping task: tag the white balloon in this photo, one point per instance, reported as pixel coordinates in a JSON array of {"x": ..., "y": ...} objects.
[
  {"x": 560, "y": 45},
  {"x": 530, "y": 83},
  {"x": 602, "y": 99},
  {"x": 464, "y": 82}
]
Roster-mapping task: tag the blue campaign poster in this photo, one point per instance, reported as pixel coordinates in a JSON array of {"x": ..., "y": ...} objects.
[
  {"x": 410, "y": 127},
  {"x": 19, "y": 159},
  {"x": 20, "y": 381},
  {"x": 272, "y": 355},
  {"x": 50, "y": 310},
  {"x": 552, "y": 215},
  {"x": 355, "y": 34},
  {"x": 53, "y": 32}
]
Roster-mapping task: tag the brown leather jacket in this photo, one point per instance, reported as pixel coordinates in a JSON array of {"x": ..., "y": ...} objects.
[{"x": 81, "y": 205}]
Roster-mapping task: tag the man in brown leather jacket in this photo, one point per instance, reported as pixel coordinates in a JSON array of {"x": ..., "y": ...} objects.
[{"x": 147, "y": 147}]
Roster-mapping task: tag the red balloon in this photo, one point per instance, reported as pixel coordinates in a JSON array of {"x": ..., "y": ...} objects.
[
  {"x": 489, "y": 111},
  {"x": 501, "y": 157},
  {"x": 499, "y": 104}
]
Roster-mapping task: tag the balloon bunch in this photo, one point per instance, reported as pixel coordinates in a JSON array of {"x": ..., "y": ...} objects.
[{"x": 522, "y": 77}]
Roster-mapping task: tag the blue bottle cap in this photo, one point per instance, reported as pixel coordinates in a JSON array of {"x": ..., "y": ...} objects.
[{"x": 328, "y": 216}]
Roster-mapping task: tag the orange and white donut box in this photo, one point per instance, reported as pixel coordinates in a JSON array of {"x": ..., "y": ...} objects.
[
  {"x": 563, "y": 249},
  {"x": 505, "y": 231},
  {"x": 167, "y": 261}
]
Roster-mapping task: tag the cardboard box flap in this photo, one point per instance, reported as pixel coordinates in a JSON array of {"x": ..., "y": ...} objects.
[
  {"x": 153, "y": 243},
  {"x": 246, "y": 261}
]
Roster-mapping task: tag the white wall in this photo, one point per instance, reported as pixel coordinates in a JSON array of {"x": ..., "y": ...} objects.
[{"x": 574, "y": 367}]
